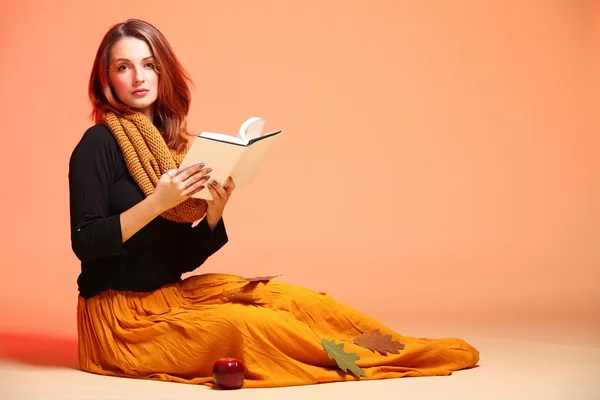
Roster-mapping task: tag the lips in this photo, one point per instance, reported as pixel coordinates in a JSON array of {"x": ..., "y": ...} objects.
[{"x": 140, "y": 91}]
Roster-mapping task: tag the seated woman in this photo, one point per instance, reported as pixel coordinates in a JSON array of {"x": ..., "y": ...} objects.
[{"x": 136, "y": 229}]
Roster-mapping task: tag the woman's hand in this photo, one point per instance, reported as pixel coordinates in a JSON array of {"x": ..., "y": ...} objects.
[
  {"x": 220, "y": 195},
  {"x": 172, "y": 188},
  {"x": 176, "y": 186}
]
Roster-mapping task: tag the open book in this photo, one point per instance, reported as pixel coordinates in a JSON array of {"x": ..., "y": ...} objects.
[{"x": 237, "y": 156}]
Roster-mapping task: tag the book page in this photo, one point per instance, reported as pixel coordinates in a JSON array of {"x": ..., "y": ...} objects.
[
  {"x": 251, "y": 129},
  {"x": 223, "y": 137}
]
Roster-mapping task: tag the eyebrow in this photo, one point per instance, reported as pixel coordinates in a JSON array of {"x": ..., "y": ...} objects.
[{"x": 143, "y": 59}]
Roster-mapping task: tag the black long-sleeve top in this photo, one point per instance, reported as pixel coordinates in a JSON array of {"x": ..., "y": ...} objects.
[{"x": 101, "y": 188}]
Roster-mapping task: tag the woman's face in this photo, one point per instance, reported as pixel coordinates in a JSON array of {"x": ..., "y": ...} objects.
[{"x": 132, "y": 74}]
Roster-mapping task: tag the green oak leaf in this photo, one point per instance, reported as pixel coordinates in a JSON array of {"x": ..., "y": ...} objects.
[{"x": 346, "y": 361}]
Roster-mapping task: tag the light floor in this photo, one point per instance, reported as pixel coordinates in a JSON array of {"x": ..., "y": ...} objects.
[{"x": 545, "y": 363}]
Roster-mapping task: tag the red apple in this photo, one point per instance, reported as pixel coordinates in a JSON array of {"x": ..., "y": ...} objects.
[{"x": 228, "y": 373}]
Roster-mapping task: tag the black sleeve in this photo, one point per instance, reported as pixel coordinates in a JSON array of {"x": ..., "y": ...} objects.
[
  {"x": 94, "y": 233},
  {"x": 196, "y": 244}
]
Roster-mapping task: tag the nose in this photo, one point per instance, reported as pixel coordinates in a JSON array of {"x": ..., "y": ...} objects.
[{"x": 138, "y": 76}]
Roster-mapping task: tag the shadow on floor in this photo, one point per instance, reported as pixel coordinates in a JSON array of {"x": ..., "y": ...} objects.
[{"x": 39, "y": 350}]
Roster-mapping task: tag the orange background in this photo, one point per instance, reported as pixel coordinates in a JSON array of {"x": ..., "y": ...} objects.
[{"x": 438, "y": 164}]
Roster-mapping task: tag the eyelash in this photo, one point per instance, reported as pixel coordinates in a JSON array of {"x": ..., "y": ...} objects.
[{"x": 118, "y": 68}]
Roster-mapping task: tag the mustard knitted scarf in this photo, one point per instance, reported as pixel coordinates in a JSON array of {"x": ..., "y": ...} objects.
[{"x": 148, "y": 157}]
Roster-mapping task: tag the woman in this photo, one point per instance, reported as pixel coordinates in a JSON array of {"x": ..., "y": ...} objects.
[{"x": 136, "y": 230}]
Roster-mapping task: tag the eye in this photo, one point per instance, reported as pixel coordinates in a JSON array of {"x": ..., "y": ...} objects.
[
  {"x": 121, "y": 67},
  {"x": 149, "y": 65}
]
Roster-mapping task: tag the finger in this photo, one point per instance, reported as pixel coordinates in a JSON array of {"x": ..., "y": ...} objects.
[
  {"x": 230, "y": 186},
  {"x": 216, "y": 194},
  {"x": 194, "y": 181},
  {"x": 218, "y": 189},
  {"x": 169, "y": 174},
  {"x": 205, "y": 171},
  {"x": 213, "y": 193},
  {"x": 195, "y": 188},
  {"x": 185, "y": 173},
  {"x": 228, "y": 183},
  {"x": 196, "y": 176}
]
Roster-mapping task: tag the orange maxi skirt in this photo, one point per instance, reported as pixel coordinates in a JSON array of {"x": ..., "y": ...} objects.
[{"x": 177, "y": 332}]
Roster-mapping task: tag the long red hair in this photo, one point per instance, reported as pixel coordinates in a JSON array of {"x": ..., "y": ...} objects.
[{"x": 173, "y": 100}]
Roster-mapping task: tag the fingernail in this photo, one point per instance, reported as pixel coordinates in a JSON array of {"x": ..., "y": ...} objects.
[
  {"x": 207, "y": 177},
  {"x": 208, "y": 170},
  {"x": 201, "y": 165}
]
